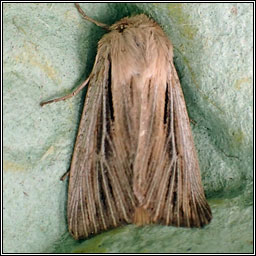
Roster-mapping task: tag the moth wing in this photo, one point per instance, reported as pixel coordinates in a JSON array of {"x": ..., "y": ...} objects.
[
  {"x": 100, "y": 193},
  {"x": 173, "y": 194}
]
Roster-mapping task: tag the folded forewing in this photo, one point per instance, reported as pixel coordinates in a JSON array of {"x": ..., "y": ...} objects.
[{"x": 100, "y": 193}]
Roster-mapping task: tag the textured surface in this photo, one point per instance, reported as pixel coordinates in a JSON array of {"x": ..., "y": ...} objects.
[{"x": 49, "y": 49}]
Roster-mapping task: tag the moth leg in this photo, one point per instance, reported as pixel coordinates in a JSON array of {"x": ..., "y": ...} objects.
[
  {"x": 192, "y": 121},
  {"x": 75, "y": 92},
  {"x": 64, "y": 176},
  {"x": 99, "y": 24}
]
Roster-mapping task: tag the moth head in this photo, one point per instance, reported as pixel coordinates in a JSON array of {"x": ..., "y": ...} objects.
[
  {"x": 131, "y": 22},
  {"x": 122, "y": 26}
]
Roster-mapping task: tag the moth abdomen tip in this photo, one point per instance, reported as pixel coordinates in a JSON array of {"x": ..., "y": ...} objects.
[{"x": 141, "y": 217}]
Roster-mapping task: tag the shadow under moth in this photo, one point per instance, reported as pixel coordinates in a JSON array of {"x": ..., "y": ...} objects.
[{"x": 134, "y": 159}]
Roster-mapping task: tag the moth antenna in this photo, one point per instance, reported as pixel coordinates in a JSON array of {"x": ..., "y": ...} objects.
[{"x": 90, "y": 19}]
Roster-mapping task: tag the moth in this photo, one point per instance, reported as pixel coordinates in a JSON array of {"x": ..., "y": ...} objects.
[{"x": 134, "y": 159}]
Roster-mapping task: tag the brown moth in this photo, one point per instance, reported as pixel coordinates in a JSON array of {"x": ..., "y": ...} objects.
[{"x": 134, "y": 159}]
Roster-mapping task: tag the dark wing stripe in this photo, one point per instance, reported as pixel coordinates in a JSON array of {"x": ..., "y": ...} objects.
[
  {"x": 98, "y": 200},
  {"x": 163, "y": 189},
  {"x": 91, "y": 210},
  {"x": 109, "y": 199},
  {"x": 117, "y": 191},
  {"x": 83, "y": 213},
  {"x": 170, "y": 202}
]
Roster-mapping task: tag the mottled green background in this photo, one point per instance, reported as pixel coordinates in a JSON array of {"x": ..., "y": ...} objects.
[{"x": 49, "y": 50}]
